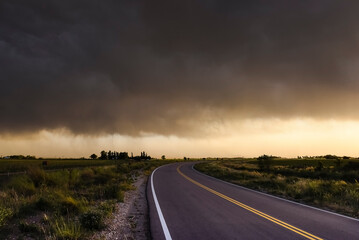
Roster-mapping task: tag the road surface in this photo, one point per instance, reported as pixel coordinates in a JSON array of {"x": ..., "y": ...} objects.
[{"x": 186, "y": 204}]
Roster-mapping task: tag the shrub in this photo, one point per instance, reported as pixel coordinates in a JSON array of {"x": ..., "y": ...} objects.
[
  {"x": 112, "y": 191},
  {"x": 71, "y": 205},
  {"x": 92, "y": 220},
  {"x": 123, "y": 168},
  {"x": 58, "y": 179},
  {"x": 107, "y": 207},
  {"x": 22, "y": 185},
  {"x": 44, "y": 203},
  {"x": 61, "y": 203},
  {"x": 26, "y": 208},
  {"x": 37, "y": 175},
  {"x": 5, "y": 214},
  {"x": 103, "y": 176}
]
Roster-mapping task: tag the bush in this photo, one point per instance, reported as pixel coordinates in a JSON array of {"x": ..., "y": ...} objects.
[
  {"x": 22, "y": 185},
  {"x": 112, "y": 192},
  {"x": 5, "y": 214},
  {"x": 44, "y": 203},
  {"x": 37, "y": 175},
  {"x": 59, "y": 202},
  {"x": 58, "y": 179},
  {"x": 26, "y": 208},
  {"x": 123, "y": 168},
  {"x": 107, "y": 208},
  {"x": 93, "y": 220},
  {"x": 103, "y": 176},
  {"x": 87, "y": 176},
  {"x": 72, "y": 205}
]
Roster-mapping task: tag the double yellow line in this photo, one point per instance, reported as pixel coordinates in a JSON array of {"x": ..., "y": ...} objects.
[{"x": 255, "y": 211}]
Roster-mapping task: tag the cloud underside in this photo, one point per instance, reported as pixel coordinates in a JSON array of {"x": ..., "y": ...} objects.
[{"x": 174, "y": 67}]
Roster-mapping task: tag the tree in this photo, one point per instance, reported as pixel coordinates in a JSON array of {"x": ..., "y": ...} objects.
[
  {"x": 163, "y": 157},
  {"x": 93, "y": 156},
  {"x": 103, "y": 155},
  {"x": 123, "y": 155}
]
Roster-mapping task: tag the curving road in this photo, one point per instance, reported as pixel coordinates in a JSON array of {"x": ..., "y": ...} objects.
[{"x": 185, "y": 204}]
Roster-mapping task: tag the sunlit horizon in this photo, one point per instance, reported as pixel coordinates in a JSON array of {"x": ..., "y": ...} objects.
[{"x": 250, "y": 138}]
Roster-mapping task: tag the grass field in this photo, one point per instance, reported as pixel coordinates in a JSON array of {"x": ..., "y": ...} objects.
[
  {"x": 329, "y": 184},
  {"x": 19, "y": 165},
  {"x": 70, "y": 203}
]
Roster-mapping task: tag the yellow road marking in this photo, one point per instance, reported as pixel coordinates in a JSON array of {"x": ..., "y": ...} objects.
[{"x": 266, "y": 216}]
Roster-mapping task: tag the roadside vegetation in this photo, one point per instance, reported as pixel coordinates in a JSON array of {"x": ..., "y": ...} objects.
[
  {"x": 68, "y": 203},
  {"x": 329, "y": 183},
  {"x": 21, "y": 165}
]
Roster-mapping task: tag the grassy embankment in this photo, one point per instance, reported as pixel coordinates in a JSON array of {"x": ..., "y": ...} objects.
[
  {"x": 329, "y": 184},
  {"x": 68, "y": 203}
]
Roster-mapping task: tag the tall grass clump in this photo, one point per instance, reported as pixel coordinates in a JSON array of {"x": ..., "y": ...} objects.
[
  {"x": 66, "y": 229},
  {"x": 22, "y": 185}
]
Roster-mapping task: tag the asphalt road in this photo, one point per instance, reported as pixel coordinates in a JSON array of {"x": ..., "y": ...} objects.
[{"x": 185, "y": 204}]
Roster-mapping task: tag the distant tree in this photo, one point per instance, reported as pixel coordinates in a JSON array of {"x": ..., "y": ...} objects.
[
  {"x": 330, "y": 156},
  {"x": 123, "y": 155},
  {"x": 184, "y": 158},
  {"x": 103, "y": 155},
  {"x": 20, "y": 157},
  {"x": 93, "y": 156},
  {"x": 163, "y": 157}
]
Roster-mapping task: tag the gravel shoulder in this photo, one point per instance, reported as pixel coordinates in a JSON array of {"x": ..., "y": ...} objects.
[{"x": 130, "y": 220}]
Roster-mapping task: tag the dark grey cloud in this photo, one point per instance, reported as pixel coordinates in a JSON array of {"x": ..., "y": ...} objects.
[{"x": 168, "y": 66}]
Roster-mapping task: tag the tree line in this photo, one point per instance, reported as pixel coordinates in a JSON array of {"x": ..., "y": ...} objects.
[{"x": 114, "y": 155}]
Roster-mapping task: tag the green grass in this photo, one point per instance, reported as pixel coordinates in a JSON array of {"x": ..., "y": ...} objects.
[
  {"x": 74, "y": 201},
  {"x": 322, "y": 183},
  {"x": 19, "y": 165}
]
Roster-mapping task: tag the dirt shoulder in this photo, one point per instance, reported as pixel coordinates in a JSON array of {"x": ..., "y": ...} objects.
[{"x": 130, "y": 221}]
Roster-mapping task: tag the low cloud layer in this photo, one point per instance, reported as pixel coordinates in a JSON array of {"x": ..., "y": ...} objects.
[{"x": 174, "y": 67}]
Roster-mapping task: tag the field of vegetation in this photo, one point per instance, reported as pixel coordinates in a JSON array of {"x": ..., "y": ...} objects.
[
  {"x": 68, "y": 203},
  {"x": 331, "y": 184},
  {"x": 20, "y": 165}
]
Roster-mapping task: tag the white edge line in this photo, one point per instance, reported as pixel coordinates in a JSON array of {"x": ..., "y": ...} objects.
[
  {"x": 283, "y": 199},
  {"x": 160, "y": 215}
]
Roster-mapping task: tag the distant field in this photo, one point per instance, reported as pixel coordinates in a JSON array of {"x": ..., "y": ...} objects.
[
  {"x": 16, "y": 165},
  {"x": 306, "y": 162},
  {"x": 327, "y": 183}
]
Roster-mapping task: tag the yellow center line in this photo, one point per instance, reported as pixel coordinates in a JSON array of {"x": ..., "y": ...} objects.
[{"x": 266, "y": 216}]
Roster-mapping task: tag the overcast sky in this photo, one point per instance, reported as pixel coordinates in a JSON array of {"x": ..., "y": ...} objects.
[{"x": 184, "y": 72}]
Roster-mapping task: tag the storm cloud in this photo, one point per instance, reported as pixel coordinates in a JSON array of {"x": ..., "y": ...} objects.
[{"x": 174, "y": 67}]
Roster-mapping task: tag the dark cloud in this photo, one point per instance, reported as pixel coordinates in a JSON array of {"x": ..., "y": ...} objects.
[{"x": 167, "y": 67}]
